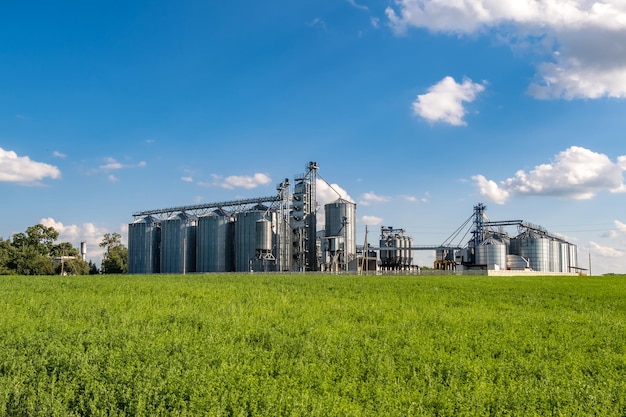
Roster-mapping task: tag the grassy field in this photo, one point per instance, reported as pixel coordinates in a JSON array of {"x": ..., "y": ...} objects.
[{"x": 320, "y": 345}]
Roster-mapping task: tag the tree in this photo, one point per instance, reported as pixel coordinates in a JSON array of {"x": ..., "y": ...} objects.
[
  {"x": 115, "y": 259},
  {"x": 7, "y": 253},
  {"x": 38, "y": 237}
]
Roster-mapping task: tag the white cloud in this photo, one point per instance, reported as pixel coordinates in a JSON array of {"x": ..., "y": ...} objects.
[
  {"x": 444, "y": 101},
  {"x": 375, "y": 22},
  {"x": 112, "y": 178},
  {"x": 576, "y": 173},
  {"x": 620, "y": 226},
  {"x": 186, "y": 179},
  {"x": 353, "y": 3},
  {"x": 245, "y": 181},
  {"x": 605, "y": 250},
  {"x": 581, "y": 42},
  {"x": 372, "y": 220},
  {"x": 371, "y": 197},
  {"x": 326, "y": 193},
  {"x": 75, "y": 234},
  {"x": 22, "y": 170},
  {"x": 58, "y": 154},
  {"x": 111, "y": 164}
]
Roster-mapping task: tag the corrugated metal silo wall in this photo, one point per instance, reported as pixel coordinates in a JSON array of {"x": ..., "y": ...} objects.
[
  {"x": 573, "y": 258},
  {"x": 491, "y": 254},
  {"x": 334, "y": 214},
  {"x": 245, "y": 239},
  {"x": 178, "y": 245},
  {"x": 214, "y": 244},
  {"x": 555, "y": 256},
  {"x": 144, "y": 238},
  {"x": 537, "y": 251},
  {"x": 564, "y": 256}
]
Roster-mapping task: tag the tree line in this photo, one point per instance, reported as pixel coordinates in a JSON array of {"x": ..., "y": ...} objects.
[{"x": 36, "y": 252}]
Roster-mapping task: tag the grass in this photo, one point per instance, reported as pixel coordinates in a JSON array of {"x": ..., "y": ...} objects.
[{"x": 319, "y": 345}]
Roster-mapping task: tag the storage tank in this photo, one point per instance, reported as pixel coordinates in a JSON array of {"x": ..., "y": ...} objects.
[
  {"x": 573, "y": 258},
  {"x": 341, "y": 221},
  {"x": 555, "y": 256},
  {"x": 178, "y": 244},
  {"x": 264, "y": 237},
  {"x": 144, "y": 239},
  {"x": 409, "y": 252},
  {"x": 564, "y": 256},
  {"x": 214, "y": 242},
  {"x": 536, "y": 249},
  {"x": 491, "y": 253},
  {"x": 245, "y": 240}
]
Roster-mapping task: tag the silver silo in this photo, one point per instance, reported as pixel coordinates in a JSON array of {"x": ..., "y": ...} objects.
[
  {"x": 555, "y": 256},
  {"x": 564, "y": 256},
  {"x": 214, "y": 243},
  {"x": 144, "y": 238},
  {"x": 492, "y": 253},
  {"x": 178, "y": 244},
  {"x": 341, "y": 221},
  {"x": 536, "y": 249},
  {"x": 245, "y": 237},
  {"x": 264, "y": 237},
  {"x": 573, "y": 258}
]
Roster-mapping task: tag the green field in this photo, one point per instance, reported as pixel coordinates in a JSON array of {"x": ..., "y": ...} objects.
[{"x": 322, "y": 345}]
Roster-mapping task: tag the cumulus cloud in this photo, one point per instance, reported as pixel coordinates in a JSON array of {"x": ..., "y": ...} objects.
[
  {"x": 245, "y": 181},
  {"x": 58, "y": 154},
  {"x": 23, "y": 170},
  {"x": 372, "y": 220},
  {"x": 327, "y": 193},
  {"x": 75, "y": 234},
  {"x": 580, "y": 42},
  {"x": 576, "y": 173},
  {"x": 186, "y": 179},
  {"x": 444, "y": 101},
  {"x": 620, "y": 226},
  {"x": 371, "y": 197},
  {"x": 605, "y": 250}
]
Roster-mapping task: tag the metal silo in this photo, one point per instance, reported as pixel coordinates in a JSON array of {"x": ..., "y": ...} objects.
[
  {"x": 214, "y": 243},
  {"x": 144, "y": 238},
  {"x": 564, "y": 256},
  {"x": 573, "y": 258},
  {"x": 178, "y": 244},
  {"x": 555, "y": 256},
  {"x": 492, "y": 253},
  {"x": 341, "y": 221},
  {"x": 264, "y": 237},
  {"x": 245, "y": 237},
  {"x": 536, "y": 249}
]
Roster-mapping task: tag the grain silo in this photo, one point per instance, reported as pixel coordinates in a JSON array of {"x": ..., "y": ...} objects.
[
  {"x": 341, "y": 223},
  {"x": 492, "y": 253},
  {"x": 245, "y": 239},
  {"x": 144, "y": 238},
  {"x": 533, "y": 247},
  {"x": 178, "y": 244},
  {"x": 214, "y": 243}
]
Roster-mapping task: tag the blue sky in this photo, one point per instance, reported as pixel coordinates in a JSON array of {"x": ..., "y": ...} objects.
[{"x": 416, "y": 109}]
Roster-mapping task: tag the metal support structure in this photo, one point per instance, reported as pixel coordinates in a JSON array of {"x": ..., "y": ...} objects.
[
  {"x": 304, "y": 220},
  {"x": 233, "y": 206}
]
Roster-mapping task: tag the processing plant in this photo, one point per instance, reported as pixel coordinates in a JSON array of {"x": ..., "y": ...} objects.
[{"x": 280, "y": 233}]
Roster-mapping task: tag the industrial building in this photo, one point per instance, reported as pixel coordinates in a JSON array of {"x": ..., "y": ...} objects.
[{"x": 279, "y": 233}]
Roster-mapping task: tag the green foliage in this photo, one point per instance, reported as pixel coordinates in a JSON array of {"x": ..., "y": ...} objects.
[
  {"x": 318, "y": 345},
  {"x": 115, "y": 260}
]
